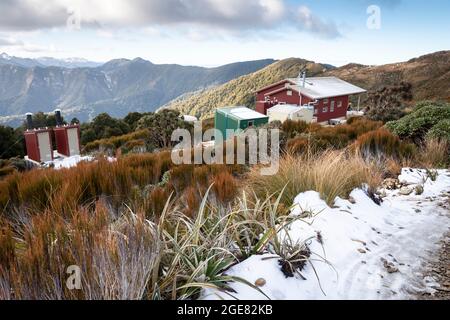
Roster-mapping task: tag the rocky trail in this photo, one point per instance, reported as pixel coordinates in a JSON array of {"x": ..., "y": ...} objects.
[{"x": 438, "y": 271}]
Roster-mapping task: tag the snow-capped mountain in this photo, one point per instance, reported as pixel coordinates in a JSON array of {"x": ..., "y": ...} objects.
[
  {"x": 47, "y": 62},
  {"x": 16, "y": 61},
  {"x": 68, "y": 63}
]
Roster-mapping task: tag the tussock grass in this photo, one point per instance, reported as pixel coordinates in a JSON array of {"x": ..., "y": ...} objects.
[
  {"x": 126, "y": 256},
  {"x": 381, "y": 143},
  {"x": 63, "y": 190},
  {"x": 331, "y": 173},
  {"x": 435, "y": 154},
  {"x": 313, "y": 137},
  {"x": 116, "y": 256}
]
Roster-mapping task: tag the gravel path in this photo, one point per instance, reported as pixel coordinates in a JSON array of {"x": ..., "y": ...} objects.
[{"x": 438, "y": 272}]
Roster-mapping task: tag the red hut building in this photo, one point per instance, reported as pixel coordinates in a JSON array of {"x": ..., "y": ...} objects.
[
  {"x": 329, "y": 96},
  {"x": 38, "y": 142},
  {"x": 68, "y": 140},
  {"x": 67, "y": 137}
]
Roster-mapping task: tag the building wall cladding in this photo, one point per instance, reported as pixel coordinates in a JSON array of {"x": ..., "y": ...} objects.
[
  {"x": 261, "y": 104},
  {"x": 73, "y": 137},
  {"x": 260, "y": 95},
  {"x": 335, "y": 107},
  {"x": 220, "y": 122},
  {"x": 244, "y": 124},
  {"x": 66, "y": 146},
  {"x": 31, "y": 143},
  {"x": 61, "y": 141},
  {"x": 224, "y": 121},
  {"x": 39, "y": 145}
]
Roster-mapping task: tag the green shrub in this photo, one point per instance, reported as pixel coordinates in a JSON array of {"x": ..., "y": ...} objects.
[
  {"x": 417, "y": 124},
  {"x": 440, "y": 131},
  {"x": 103, "y": 126},
  {"x": 118, "y": 142}
]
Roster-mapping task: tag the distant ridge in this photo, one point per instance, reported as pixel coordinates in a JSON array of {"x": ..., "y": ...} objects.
[
  {"x": 428, "y": 74},
  {"x": 117, "y": 87}
]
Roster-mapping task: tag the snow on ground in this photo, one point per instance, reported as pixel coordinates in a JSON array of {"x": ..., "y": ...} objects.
[
  {"x": 373, "y": 252},
  {"x": 69, "y": 162},
  {"x": 189, "y": 118}
]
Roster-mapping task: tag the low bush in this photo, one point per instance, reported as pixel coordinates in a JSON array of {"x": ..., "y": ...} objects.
[
  {"x": 318, "y": 138},
  {"x": 440, "y": 131},
  {"x": 382, "y": 144},
  {"x": 416, "y": 125},
  {"x": 298, "y": 145},
  {"x": 117, "y": 142},
  {"x": 330, "y": 137},
  {"x": 103, "y": 126},
  {"x": 294, "y": 128}
]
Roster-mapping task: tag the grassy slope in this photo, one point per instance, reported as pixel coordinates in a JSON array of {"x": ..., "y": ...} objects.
[
  {"x": 428, "y": 74},
  {"x": 240, "y": 91}
]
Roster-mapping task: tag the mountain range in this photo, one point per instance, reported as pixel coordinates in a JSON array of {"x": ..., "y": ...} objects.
[
  {"x": 117, "y": 87},
  {"x": 122, "y": 86}
]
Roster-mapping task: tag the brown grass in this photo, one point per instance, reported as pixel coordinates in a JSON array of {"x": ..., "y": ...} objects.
[
  {"x": 116, "y": 257},
  {"x": 225, "y": 187},
  {"x": 382, "y": 143},
  {"x": 316, "y": 138},
  {"x": 157, "y": 200},
  {"x": 332, "y": 174},
  {"x": 298, "y": 145},
  {"x": 435, "y": 154},
  {"x": 65, "y": 189}
]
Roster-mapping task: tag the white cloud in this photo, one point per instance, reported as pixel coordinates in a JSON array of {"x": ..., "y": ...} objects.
[
  {"x": 228, "y": 15},
  {"x": 9, "y": 42},
  {"x": 310, "y": 22}
]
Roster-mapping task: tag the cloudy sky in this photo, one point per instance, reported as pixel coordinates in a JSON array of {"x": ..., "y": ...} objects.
[{"x": 215, "y": 32}]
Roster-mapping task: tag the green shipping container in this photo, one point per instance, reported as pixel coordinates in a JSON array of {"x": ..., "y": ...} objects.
[{"x": 237, "y": 118}]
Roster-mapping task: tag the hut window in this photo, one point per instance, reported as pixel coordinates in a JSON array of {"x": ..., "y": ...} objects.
[
  {"x": 332, "y": 106},
  {"x": 339, "y": 104},
  {"x": 325, "y": 109},
  {"x": 289, "y": 93},
  {"x": 250, "y": 123}
]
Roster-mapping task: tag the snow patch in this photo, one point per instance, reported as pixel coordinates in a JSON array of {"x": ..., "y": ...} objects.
[
  {"x": 69, "y": 162},
  {"x": 366, "y": 251}
]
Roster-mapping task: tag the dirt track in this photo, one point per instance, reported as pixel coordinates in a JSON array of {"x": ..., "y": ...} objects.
[{"x": 439, "y": 271}]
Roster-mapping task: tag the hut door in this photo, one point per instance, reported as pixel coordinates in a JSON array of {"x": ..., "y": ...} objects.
[
  {"x": 72, "y": 137},
  {"x": 45, "y": 148}
]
